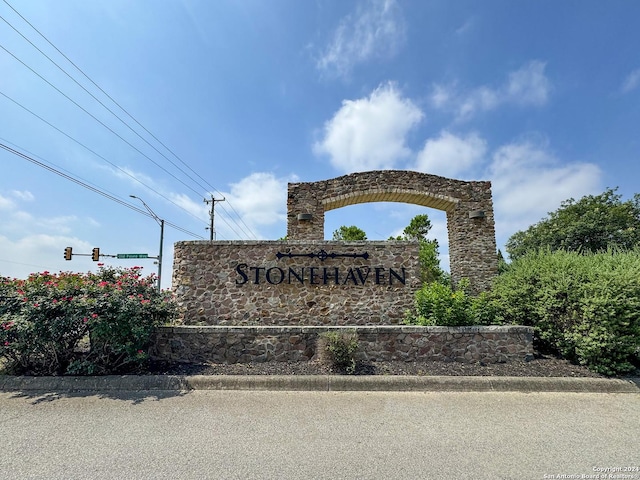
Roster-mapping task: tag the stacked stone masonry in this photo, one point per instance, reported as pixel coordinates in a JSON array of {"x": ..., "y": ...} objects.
[
  {"x": 257, "y": 283},
  {"x": 376, "y": 343},
  {"x": 472, "y": 244},
  {"x": 262, "y": 301}
]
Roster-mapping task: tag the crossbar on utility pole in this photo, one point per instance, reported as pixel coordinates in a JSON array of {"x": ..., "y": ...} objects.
[{"x": 212, "y": 231}]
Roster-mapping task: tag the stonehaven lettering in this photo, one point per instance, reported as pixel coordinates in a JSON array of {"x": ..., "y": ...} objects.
[
  {"x": 306, "y": 280},
  {"x": 246, "y": 283},
  {"x": 319, "y": 275},
  {"x": 257, "y": 301}
]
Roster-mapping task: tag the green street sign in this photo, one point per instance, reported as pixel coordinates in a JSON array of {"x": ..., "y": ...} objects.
[{"x": 133, "y": 255}]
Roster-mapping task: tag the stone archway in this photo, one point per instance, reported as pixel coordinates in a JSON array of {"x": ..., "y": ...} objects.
[{"x": 468, "y": 205}]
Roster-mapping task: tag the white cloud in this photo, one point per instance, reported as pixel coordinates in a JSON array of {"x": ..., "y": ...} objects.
[
  {"x": 439, "y": 231},
  {"x": 25, "y": 195},
  {"x": 6, "y": 203},
  {"x": 441, "y": 96},
  {"x": 527, "y": 86},
  {"x": 61, "y": 225},
  {"x": 465, "y": 27},
  {"x": 20, "y": 222},
  {"x": 93, "y": 222},
  {"x": 631, "y": 82},
  {"x": 260, "y": 199},
  {"x": 377, "y": 30},
  {"x": 369, "y": 133},
  {"x": 450, "y": 155},
  {"x": 16, "y": 255},
  {"x": 197, "y": 209},
  {"x": 528, "y": 182}
]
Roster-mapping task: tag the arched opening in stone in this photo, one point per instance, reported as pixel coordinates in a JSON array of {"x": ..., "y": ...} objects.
[
  {"x": 385, "y": 220},
  {"x": 468, "y": 207}
]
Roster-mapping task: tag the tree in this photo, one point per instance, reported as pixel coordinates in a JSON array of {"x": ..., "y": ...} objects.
[
  {"x": 417, "y": 230},
  {"x": 349, "y": 233},
  {"x": 503, "y": 266},
  {"x": 591, "y": 224}
]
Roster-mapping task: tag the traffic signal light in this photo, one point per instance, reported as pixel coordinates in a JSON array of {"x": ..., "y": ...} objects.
[
  {"x": 95, "y": 255},
  {"x": 67, "y": 253}
]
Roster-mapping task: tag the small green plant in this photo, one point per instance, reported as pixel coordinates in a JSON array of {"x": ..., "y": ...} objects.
[{"x": 338, "y": 350}]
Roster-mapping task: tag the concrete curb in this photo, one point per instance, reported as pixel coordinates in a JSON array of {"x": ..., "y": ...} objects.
[{"x": 396, "y": 383}]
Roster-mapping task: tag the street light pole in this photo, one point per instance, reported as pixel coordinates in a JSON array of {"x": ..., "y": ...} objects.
[
  {"x": 160, "y": 254},
  {"x": 161, "y": 223}
]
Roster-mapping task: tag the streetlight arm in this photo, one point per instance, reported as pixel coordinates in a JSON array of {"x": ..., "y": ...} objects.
[
  {"x": 153, "y": 214},
  {"x": 161, "y": 223}
]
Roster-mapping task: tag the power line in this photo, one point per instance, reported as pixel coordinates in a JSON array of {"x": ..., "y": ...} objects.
[
  {"x": 20, "y": 263},
  {"x": 97, "y": 86},
  {"x": 96, "y": 154},
  {"x": 134, "y": 178},
  {"x": 100, "y": 121},
  {"x": 98, "y": 100},
  {"x": 129, "y": 115},
  {"x": 112, "y": 131},
  {"x": 92, "y": 188}
]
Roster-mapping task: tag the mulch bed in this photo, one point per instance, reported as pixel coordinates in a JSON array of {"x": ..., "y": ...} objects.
[{"x": 541, "y": 366}]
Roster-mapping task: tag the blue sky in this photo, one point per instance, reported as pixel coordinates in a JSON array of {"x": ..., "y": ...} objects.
[{"x": 540, "y": 97}]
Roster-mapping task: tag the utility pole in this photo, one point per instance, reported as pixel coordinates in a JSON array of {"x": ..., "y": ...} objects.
[{"x": 212, "y": 232}]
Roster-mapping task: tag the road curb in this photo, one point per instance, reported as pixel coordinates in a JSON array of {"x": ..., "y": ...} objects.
[{"x": 392, "y": 383}]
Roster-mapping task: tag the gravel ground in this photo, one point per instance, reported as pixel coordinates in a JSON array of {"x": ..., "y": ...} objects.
[{"x": 541, "y": 366}]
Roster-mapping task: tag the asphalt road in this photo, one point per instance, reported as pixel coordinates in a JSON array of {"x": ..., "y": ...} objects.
[{"x": 284, "y": 435}]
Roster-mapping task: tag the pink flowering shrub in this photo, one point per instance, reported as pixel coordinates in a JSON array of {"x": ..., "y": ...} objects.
[{"x": 71, "y": 323}]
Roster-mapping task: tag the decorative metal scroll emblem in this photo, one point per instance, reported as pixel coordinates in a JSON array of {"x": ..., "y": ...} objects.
[{"x": 322, "y": 255}]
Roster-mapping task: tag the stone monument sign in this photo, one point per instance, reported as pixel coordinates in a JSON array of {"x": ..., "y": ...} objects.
[{"x": 306, "y": 280}]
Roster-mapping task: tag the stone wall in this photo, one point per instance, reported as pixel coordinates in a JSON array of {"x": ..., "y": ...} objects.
[
  {"x": 217, "y": 344},
  {"x": 295, "y": 283},
  {"x": 468, "y": 205}
]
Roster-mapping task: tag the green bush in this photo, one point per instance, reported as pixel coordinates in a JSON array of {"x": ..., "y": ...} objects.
[
  {"x": 70, "y": 323},
  {"x": 484, "y": 310},
  {"x": 439, "y": 304},
  {"x": 585, "y": 307},
  {"x": 338, "y": 350}
]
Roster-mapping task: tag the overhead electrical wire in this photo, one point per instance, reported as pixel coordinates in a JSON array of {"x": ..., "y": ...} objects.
[
  {"x": 112, "y": 131},
  {"x": 99, "y": 121},
  {"x": 4, "y": 260},
  {"x": 91, "y": 187},
  {"x": 128, "y": 114},
  {"x": 97, "y": 100},
  {"x": 134, "y": 178},
  {"x": 81, "y": 144}
]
